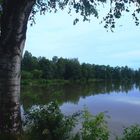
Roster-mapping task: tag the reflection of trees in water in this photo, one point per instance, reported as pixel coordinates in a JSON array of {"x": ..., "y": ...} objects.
[
  {"x": 72, "y": 92},
  {"x": 137, "y": 85}
]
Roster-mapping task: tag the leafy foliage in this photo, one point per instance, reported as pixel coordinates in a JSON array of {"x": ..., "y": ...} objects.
[
  {"x": 87, "y": 8},
  {"x": 131, "y": 133},
  {"x": 71, "y": 69},
  {"x": 94, "y": 127},
  {"x": 48, "y": 122}
]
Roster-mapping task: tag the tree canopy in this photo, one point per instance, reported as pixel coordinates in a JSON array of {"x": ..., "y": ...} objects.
[
  {"x": 71, "y": 69},
  {"x": 87, "y": 8}
]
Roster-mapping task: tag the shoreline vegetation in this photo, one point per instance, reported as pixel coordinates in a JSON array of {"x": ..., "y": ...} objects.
[
  {"x": 47, "y": 121},
  {"x": 44, "y": 82},
  {"x": 41, "y": 71}
]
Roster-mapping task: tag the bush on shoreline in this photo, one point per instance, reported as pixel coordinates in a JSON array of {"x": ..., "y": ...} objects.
[{"x": 48, "y": 122}]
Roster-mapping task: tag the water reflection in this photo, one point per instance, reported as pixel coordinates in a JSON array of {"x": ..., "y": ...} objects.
[
  {"x": 120, "y": 99},
  {"x": 71, "y": 92}
]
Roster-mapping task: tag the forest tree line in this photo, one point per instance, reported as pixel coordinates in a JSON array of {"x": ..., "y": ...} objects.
[{"x": 71, "y": 69}]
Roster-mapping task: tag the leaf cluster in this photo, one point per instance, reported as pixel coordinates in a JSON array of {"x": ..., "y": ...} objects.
[
  {"x": 87, "y": 8},
  {"x": 131, "y": 133},
  {"x": 94, "y": 127},
  {"x": 48, "y": 122}
]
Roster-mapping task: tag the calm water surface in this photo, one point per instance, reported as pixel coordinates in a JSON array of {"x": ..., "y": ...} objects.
[{"x": 120, "y": 101}]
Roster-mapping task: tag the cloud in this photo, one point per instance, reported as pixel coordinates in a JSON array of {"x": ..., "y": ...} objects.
[{"x": 133, "y": 101}]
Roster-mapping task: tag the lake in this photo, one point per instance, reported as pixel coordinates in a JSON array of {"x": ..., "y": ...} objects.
[{"x": 119, "y": 100}]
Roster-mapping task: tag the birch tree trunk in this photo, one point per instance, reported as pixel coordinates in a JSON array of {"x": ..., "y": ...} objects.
[{"x": 13, "y": 34}]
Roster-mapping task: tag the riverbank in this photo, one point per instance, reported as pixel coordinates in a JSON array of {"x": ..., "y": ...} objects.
[{"x": 44, "y": 82}]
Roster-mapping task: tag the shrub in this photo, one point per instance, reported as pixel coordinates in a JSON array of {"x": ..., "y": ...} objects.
[
  {"x": 131, "y": 133},
  {"x": 47, "y": 122},
  {"x": 26, "y": 75},
  {"x": 94, "y": 127}
]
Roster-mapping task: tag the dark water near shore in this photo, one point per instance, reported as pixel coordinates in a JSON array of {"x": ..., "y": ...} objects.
[{"x": 120, "y": 101}]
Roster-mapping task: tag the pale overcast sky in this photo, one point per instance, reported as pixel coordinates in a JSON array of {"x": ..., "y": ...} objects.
[{"x": 55, "y": 35}]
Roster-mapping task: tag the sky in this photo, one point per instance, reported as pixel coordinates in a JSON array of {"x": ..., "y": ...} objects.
[{"x": 55, "y": 35}]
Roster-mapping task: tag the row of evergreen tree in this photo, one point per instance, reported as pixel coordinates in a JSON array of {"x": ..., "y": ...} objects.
[{"x": 71, "y": 69}]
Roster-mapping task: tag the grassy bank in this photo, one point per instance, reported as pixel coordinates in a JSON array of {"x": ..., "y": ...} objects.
[{"x": 43, "y": 82}]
